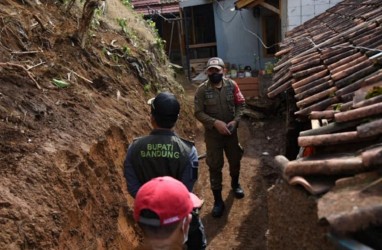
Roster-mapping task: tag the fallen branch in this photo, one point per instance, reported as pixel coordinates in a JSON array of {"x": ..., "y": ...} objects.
[
  {"x": 25, "y": 69},
  {"x": 34, "y": 66},
  {"x": 25, "y": 52},
  {"x": 83, "y": 78}
]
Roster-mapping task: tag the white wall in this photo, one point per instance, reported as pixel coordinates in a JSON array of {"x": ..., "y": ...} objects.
[
  {"x": 299, "y": 11},
  {"x": 236, "y": 42}
]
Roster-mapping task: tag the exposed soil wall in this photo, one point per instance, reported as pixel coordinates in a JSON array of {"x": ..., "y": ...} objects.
[{"x": 293, "y": 221}]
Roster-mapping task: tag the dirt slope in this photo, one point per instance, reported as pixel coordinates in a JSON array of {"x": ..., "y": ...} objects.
[{"x": 62, "y": 149}]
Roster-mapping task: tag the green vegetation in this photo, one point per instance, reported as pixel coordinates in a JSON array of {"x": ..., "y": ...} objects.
[
  {"x": 159, "y": 42},
  {"x": 375, "y": 91},
  {"x": 127, "y": 3}
]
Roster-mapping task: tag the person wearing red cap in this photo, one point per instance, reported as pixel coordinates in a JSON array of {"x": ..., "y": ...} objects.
[
  {"x": 163, "y": 153},
  {"x": 162, "y": 209},
  {"x": 218, "y": 105}
]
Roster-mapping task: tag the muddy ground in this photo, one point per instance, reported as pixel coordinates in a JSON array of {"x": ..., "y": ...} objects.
[{"x": 62, "y": 148}]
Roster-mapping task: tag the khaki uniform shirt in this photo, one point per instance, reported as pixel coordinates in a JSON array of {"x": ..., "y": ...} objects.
[{"x": 225, "y": 104}]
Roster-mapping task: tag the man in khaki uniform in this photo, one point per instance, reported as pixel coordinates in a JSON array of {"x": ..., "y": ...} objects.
[{"x": 219, "y": 105}]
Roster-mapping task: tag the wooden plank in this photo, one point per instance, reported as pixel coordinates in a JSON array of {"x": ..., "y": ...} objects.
[
  {"x": 198, "y": 65},
  {"x": 246, "y": 80},
  {"x": 198, "y": 60},
  {"x": 249, "y": 86},
  {"x": 243, "y": 3},
  {"x": 269, "y": 7},
  {"x": 201, "y": 45},
  {"x": 250, "y": 93}
]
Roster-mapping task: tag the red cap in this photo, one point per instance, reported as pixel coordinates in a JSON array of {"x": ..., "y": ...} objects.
[{"x": 168, "y": 198}]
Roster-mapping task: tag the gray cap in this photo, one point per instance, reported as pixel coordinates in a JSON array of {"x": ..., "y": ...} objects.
[{"x": 215, "y": 62}]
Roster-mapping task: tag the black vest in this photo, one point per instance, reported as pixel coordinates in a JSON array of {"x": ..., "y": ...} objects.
[{"x": 161, "y": 153}]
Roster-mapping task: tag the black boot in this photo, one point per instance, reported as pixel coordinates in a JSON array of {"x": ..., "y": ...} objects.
[
  {"x": 236, "y": 188},
  {"x": 218, "y": 209}
]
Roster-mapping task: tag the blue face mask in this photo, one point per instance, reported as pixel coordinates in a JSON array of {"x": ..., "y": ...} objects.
[{"x": 215, "y": 78}]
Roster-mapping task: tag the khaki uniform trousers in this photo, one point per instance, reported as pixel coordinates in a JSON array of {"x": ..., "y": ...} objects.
[{"x": 216, "y": 145}]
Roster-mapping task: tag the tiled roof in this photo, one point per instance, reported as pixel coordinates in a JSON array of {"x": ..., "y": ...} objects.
[
  {"x": 333, "y": 64},
  {"x": 149, "y": 7}
]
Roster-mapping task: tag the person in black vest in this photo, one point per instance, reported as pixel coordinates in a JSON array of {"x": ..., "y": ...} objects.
[{"x": 163, "y": 153}]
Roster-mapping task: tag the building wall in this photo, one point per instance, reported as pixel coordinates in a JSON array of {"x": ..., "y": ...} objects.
[
  {"x": 297, "y": 12},
  {"x": 236, "y": 42}
]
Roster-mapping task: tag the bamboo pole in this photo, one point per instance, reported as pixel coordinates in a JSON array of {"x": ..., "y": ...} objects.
[
  {"x": 359, "y": 113},
  {"x": 355, "y": 76},
  {"x": 346, "y": 62},
  {"x": 339, "y": 57},
  {"x": 351, "y": 87},
  {"x": 346, "y": 106},
  {"x": 330, "y": 139},
  {"x": 308, "y": 72},
  {"x": 375, "y": 78},
  {"x": 309, "y": 57},
  {"x": 310, "y": 78},
  {"x": 314, "y": 90},
  {"x": 345, "y": 165},
  {"x": 330, "y": 52},
  {"x": 330, "y": 128},
  {"x": 279, "y": 74},
  {"x": 367, "y": 102},
  {"x": 283, "y": 51},
  {"x": 313, "y": 84},
  {"x": 346, "y": 98},
  {"x": 350, "y": 63},
  {"x": 316, "y": 97},
  {"x": 338, "y": 38},
  {"x": 370, "y": 129},
  {"x": 326, "y": 114},
  {"x": 372, "y": 157},
  {"x": 322, "y": 105},
  {"x": 350, "y": 69},
  {"x": 281, "y": 81},
  {"x": 280, "y": 89},
  {"x": 305, "y": 65}
]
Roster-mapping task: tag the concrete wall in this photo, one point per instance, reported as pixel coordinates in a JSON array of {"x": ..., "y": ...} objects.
[
  {"x": 236, "y": 42},
  {"x": 297, "y": 12},
  {"x": 237, "y": 30}
]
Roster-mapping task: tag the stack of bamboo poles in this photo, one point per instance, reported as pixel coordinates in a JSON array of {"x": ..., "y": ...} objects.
[
  {"x": 323, "y": 61},
  {"x": 333, "y": 64}
]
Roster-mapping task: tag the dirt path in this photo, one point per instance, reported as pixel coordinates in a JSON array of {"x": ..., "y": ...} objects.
[{"x": 244, "y": 223}]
